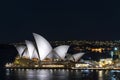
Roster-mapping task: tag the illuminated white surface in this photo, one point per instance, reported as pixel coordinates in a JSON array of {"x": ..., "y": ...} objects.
[
  {"x": 31, "y": 49},
  {"x": 61, "y": 50},
  {"x": 53, "y": 55},
  {"x": 35, "y": 54},
  {"x": 20, "y": 49},
  {"x": 76, "y": 56},
  {"x": 43, "y": 46},
  {"x": 70, "y": 57},
  {"x": 26, "y": 54}
]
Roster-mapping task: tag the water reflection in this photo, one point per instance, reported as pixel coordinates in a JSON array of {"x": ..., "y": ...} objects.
[
  {"x": 100, "y": 75},
  {"x": 44, "y": 75},
  {"x": 62, "y": 74}
]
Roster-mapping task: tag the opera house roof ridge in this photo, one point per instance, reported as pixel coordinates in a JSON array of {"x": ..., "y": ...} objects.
[{"x": 42, "y": 49}]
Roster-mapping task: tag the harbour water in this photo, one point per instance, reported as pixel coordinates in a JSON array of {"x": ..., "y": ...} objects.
[{"x": 61, "y": 74}]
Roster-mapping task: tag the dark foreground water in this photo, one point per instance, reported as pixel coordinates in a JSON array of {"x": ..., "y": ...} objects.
[{"x": 61, "y": 74}]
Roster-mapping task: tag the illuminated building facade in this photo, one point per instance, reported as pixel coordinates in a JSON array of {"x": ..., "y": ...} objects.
[{"x": 41, "y": 54}]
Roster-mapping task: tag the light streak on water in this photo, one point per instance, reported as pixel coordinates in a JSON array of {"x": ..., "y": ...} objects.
[{"x": 61, "y": 74}]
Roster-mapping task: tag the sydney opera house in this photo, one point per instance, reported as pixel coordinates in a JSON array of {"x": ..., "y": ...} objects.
[{"x": 40, "y": 54}]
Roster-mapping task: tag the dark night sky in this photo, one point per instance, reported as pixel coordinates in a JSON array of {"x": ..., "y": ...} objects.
[{"x": 59, "y": 20}]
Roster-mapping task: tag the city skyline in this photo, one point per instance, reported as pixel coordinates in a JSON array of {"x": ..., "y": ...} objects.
[
  {"x": 91, "y": 28},
  {"x": 41, "y": 55}
]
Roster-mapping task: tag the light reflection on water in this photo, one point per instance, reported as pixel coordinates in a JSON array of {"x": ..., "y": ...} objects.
[{"x": 62, "y": 74}]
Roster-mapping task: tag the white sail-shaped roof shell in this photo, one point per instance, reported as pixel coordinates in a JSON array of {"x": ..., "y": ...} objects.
[
  {"x": 31, "y": 49},
  {"x": 77, "y": 56},
  {"x": 43, "y": 46},
  {"x": 35, "y": 54},
  {"x": 61, "y": 50},
  {"x": 53, "y": 55},
  {"x": 26, "y": 54},
  {"x": 20, "y": 49}
]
